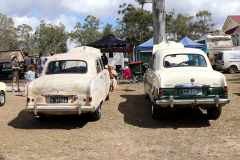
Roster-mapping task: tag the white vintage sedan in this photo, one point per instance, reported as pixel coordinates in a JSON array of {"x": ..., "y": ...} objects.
[
  {"x": 2, "y": 93},
  {"x": 181, "y": 77},
  {"x": 71, "y": 83}
]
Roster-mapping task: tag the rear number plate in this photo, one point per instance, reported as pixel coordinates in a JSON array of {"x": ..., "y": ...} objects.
[
  {"x": 59, "y": 100},
  {"x": 187, "y": 92}
]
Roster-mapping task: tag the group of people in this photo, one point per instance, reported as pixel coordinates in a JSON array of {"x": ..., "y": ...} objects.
[{"x": 29, "y": 67}]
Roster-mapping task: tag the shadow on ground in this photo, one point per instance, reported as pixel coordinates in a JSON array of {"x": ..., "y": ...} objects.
[
  {"x": 238, "y": 94},
  {"x": 137, "y": 111},
  {"x": 26, "y": 120}
]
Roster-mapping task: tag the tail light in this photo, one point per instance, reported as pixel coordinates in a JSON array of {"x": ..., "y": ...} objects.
[
  {"x": 160, "y": 91},
  {"x": 90, "y": 99},
  {"x": 84, "y": 100},
  {"x": 222, "y": 63},
  {"x": 225, "y": 90},
  {"x": 32, "y": 100},
  {"x": 28, "y": 100}
]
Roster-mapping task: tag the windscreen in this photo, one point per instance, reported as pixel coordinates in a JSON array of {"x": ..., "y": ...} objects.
[
  {"x": 180, "y": 60},
  {"x": 58, "y": 67}
]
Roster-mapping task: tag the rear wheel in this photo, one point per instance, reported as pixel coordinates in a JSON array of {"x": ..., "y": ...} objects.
[
  {"x": 156, "y": 112},
  {"x": 214, "y": 113},
  {"x": 232, "y": 69},
  {"x": 2, "y": 98},
  {"x": 96, "y": 115}
]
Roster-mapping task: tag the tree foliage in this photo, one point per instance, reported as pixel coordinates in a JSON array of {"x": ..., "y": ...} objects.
[
  {"x": 51, "y": 37},
  {"x": 88, "y": 32},
  {"x": 135, "y": 25},
  {"x": 143, "y": 2},
  {"x": 8, "y": 33}
]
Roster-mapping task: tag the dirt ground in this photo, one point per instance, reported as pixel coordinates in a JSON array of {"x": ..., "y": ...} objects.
[{"x": 125, "y": 131}]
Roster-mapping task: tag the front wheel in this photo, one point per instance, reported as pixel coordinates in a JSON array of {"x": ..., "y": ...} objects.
[
  {"x": 232, "y": 69},
  {"x": 96, "y": 115},
  {"x": 2, "y": 98},
  {"x": 214, "y": 113},
  {"x": 156, "y": 112}
]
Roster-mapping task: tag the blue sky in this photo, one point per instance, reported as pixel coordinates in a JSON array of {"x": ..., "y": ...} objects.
[{"x": 69, "y": 12}]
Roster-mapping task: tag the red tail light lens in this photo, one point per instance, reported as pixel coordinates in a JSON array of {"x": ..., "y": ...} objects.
[
  {"x": 28, "y": 100},
  {"x": 84, "y": 100},
  {"x": 222, "y": 62},
  {"x": 160, "y": 91},
  {"x": 90, "y": 99},
  {"x": 32, "y": 100},
  {"x": 225, "y": 90}
]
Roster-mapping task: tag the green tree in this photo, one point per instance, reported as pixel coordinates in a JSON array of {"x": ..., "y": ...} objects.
[
  {"x": 108, "y": 29},
  {"x": 204, "y": 24},
  {"x": 143, "y": 2},
  {"x": 26, "y": 40},
  {"x": 51, "y": 37},
  {"x": 135, "y": 25},
  {"x": 87, "y": 33},
  {"x": 8, "y": 34}
]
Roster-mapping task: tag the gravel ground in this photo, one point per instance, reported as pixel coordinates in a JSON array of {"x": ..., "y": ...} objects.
[{"x": 125, "y": 131}]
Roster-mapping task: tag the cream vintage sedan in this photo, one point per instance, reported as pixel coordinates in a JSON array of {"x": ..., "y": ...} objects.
[
  {"x": 2, "y": 93},
  {"x": 181, "y": 77},
  {"x": 71, "y": 83}
]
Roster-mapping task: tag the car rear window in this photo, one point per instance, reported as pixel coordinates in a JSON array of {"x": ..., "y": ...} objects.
[
  {"x": 180, "y": 60},
  {"x": 66, "y": 66},
  {"x": 220, "y": 55}
]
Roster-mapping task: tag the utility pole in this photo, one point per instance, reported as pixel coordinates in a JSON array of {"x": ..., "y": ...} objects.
[{"x": 158, "y": 8}]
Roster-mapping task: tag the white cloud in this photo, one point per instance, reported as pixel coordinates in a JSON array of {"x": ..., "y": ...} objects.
[{"x": 67, "y": 11}]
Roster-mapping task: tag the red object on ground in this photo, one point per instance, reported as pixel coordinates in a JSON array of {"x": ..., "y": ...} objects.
[{"x": 137, "y": 62}]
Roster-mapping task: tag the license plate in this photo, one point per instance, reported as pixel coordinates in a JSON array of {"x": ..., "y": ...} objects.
[
  {"x": 59, "y": 100},
  {"x": 187, "y": 92}
]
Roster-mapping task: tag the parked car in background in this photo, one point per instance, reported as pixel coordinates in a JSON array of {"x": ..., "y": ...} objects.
[
  {"x": 181, "y": 77},
  {"x": 71, "y": 83},
  {"x": 228, "y": 61},
  {"x": 5, "y": 60},
  {"x": 2, "y": 93}
]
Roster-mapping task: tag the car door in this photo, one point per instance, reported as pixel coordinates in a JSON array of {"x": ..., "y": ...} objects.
[{"x": 103, "y": 78}]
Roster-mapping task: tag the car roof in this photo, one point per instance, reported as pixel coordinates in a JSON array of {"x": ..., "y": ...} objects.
[{"x": 164, "y": 52}]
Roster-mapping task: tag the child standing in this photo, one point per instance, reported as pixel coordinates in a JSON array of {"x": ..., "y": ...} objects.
[{"x": 30, "y": 76}]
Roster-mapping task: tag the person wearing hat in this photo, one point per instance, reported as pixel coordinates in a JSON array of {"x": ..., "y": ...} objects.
[{"x": 15, "y": 64}]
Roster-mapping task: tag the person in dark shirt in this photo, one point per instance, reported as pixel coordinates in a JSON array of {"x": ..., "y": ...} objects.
[
  {"x": 15, "y": 65},
  {"x": 27, "y": 62},
  {"x": 105, "y": 61}
]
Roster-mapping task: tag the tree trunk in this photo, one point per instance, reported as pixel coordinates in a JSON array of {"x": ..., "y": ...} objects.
[{"x": 158, "y": 8}]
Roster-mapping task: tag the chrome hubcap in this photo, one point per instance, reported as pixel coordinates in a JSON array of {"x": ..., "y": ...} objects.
[{"x": 1, "y": 98}]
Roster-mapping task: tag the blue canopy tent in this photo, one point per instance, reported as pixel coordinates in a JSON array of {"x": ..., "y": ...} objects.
[
  {"x": 146, "y": 46},
  {"x": 188, "y": 43}
]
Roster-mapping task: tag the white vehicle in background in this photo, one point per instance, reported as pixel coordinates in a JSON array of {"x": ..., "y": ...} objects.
[
  {"x": 2, "y": 93},
  {"x": 71, "y": 83},
  {"x": 228, "y": 61},
  {"x": 216, "y": 41},
  {"x": 116, "y": 59}
]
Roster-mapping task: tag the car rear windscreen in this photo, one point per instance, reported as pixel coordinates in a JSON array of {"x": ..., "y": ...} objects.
[
  {"x": 66, "y": 66},
  {"x": 220, "y": 55}
]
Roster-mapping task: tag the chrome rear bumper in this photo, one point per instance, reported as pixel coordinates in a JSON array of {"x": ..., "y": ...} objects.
[
  {"x": 79, "y": 109},
  {"x": 171, "y": 102}
]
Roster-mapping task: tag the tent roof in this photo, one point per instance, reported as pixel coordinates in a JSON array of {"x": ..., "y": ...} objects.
[
  {"x": 148, "y": 45},
  {"x": 188, "y": 43},
  {"x": 110, "y": 42}
]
